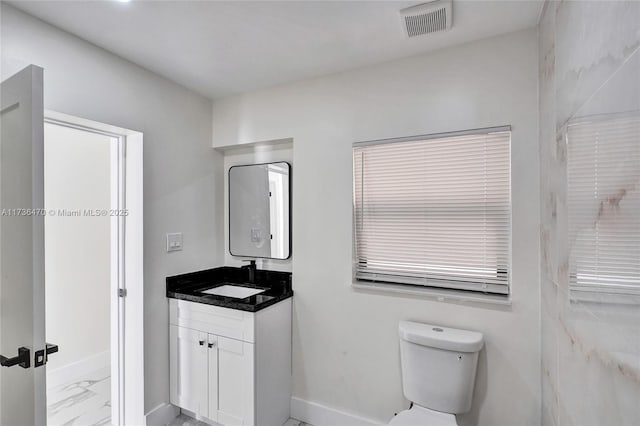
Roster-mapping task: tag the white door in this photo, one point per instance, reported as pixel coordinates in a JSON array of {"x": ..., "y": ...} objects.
[
  {"x": 188, "y": 369},
  {"x": 22, "y": 379},
  {"x": 235, "y": 382}
]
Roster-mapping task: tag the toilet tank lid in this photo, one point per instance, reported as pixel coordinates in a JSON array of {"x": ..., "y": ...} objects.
[{"x": 435, "y": 336}]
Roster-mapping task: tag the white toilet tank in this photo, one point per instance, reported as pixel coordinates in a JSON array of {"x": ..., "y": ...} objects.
[{"x": 439, "y": 366}]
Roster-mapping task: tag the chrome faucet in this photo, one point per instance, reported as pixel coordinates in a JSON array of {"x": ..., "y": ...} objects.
[{"x": 251, "y": 268}]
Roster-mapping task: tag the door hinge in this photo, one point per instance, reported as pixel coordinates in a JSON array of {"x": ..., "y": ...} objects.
[{"x": 122, "y": 292}]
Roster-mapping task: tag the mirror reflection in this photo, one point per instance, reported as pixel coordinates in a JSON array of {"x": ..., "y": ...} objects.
[{"x": 259, "y": 210}]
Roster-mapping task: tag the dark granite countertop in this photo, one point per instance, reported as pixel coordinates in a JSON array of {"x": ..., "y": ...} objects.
[{"x": 189, "y": 287}]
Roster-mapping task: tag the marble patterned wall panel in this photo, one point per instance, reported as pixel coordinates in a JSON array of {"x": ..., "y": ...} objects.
[
  {"x": 599, "y": 347},
  {"x": 597, "y": 365},
  {"x": 548, "y": 290},
  {"x": 593, "y": 38},
  {"x": 589, "y": 65},
  {"x": 549, "y": 353}
]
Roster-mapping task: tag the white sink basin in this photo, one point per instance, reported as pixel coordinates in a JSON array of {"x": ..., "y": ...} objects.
[{"x": 234, "y": 291}]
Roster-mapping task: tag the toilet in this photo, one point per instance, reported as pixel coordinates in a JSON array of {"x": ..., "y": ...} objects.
[{"x": 438, "y": 373}]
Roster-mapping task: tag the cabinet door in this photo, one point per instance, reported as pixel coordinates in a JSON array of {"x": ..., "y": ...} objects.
[
  {"x": 235, "y": 382},
  {"x": 188, "y": 367},
  {"x": 212, "y": 354}
]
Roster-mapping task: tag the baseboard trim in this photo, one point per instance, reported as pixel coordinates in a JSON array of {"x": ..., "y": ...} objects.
[
  {"x": 162, "y": 415},
  {"x": 321, "y": 415},
  {"x": 77, "y": 370}
]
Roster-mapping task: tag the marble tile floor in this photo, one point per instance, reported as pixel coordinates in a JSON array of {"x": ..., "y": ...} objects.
[
  {"x": 81, "y": 403},
  {"x": 183, "y": 420}
]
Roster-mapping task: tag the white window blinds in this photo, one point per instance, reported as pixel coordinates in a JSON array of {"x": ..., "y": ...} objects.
[
  {"x": 603, "y": 175},
  {"x": 434, "y": 210}
]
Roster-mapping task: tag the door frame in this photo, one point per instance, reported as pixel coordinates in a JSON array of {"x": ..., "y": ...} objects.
[{"x": 127, "y": 277}]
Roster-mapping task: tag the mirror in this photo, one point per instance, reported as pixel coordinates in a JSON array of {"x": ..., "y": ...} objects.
[{"x": 259, "y": 213}]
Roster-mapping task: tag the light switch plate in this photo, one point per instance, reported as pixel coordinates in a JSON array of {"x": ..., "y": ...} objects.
[{"x": 174, "y": 242}]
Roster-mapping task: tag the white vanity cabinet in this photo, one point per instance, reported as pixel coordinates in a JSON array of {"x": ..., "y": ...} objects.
[
  {"x": 188, "y": 361},
  {"x": 229, "y": 366}
]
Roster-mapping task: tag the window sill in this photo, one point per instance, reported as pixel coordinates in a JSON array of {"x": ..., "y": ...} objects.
[
  {"x": 440, "y": 295},
  {"x": 595, "y": 297}
]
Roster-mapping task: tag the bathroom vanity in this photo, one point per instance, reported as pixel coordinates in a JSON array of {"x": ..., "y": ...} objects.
[
  {"x": 230, "y": 345},
  {"x": 230, "y": 328}
]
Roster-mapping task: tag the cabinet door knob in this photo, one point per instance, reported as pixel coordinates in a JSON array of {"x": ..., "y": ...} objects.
[
  {"x": 201, "y": 342},
  {"x": 211, "y": 345}
]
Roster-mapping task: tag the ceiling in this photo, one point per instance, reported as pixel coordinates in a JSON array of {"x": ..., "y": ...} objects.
[{"x": 219, "y": 48}]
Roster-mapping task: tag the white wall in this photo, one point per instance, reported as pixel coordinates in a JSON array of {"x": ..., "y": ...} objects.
[
  {"x": 345, "y": 348},
  {"x": 181, "y": 190},
  {"x": 77, "y": 248}
]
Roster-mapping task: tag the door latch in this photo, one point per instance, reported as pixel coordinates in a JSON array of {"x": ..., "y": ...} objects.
[
  {"x": 42, "y": 356},
  {"x": 23, "y": 359}
]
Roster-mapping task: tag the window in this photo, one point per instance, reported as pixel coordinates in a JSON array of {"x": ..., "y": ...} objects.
[
  {"x": 603, "y": 176},
  {"x": 434, "y": 210}
]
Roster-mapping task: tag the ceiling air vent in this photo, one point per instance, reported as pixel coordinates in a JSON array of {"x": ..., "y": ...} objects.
[{"x": 427, "y": 18}]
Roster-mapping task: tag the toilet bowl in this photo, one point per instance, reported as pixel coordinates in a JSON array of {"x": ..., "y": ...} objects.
[{"x": 420, "y": 416}]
